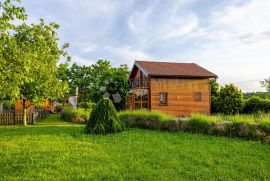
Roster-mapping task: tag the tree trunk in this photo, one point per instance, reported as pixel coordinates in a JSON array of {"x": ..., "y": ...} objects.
[{"x": 24, "y": 112}]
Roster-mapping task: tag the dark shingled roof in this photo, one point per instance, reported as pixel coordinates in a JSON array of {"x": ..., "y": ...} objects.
[{"x": 171, "y": 69}]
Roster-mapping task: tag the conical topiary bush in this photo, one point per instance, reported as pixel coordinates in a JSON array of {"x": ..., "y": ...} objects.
[{"x": 104, "y": 119}]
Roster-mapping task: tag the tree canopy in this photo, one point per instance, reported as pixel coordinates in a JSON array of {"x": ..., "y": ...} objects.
[
  {"x": 266, "y": 84},
  {"x": 28, "y": 57},
  {"x": 100, "y": 80},
  {"x": 230, "y": 100}
]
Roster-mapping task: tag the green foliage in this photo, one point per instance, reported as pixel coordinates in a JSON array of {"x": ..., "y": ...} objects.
[
  {"x": 76, "y": 115},
  {"x": 80, "y": 76},
  {"x": 246, "y": 126},
  {"x": 143, "y": 119},
  {"x": 97, "y": 81},
  {"x": 230, "y": 100},
  {"x": 255, "y": 104},
  {"x": 262, "y": 95},
  {"x": 87, "y": 105},
  {"x": 266, "y": 84},
  {"x": 214, "y": 95},
  {"x": 104, "y": 119},
  {"x": 28, "y": 57}
]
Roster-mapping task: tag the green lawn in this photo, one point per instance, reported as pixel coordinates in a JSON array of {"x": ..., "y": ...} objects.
[{"x": 53, "y": 150}]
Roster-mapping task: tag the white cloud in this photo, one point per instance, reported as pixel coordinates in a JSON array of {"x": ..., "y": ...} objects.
[
  {"x": 127, "y": 55},
  {"x": 236, "y": 44},
  {"x": 150, "y": 25},
  {"x": 82, "y": 61}
]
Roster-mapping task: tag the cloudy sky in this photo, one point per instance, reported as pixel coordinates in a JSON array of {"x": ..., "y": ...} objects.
[{"x": 228, "y": 37}]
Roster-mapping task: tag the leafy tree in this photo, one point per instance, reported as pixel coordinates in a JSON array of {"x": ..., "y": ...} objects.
[
  {"x": 214, "y": 95},
  {"x": 9, "y": 13},
  {"x": 29, "y": 57},
  {"x": 116, "y": 85},
  {"x": 104, "y": 119},
  {"x": 99, "y": 77},
  {"x": 262, "y": 95},
  {"x": 230, "y": 100},
  {"x": 266, "y": 83},
  {"x": 98, "y": 81},
  {"x": 80, "y": 76}
]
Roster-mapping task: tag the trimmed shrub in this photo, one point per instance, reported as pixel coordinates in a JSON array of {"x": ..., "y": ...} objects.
[
  {"x": 75, "y": 115},
  {"x": 104, "y": 119}
]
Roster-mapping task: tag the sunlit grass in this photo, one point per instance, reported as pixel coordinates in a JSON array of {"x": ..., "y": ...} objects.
[{"x": 51, "y": 151}]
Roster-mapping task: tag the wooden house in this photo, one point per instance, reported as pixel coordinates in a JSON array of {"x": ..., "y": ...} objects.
[
  {"x": 177, "y": 89},
  {"x": 46, "y": 106}
]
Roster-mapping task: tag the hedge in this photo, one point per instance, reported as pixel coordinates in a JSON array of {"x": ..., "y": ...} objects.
[
  {"x": 255, "y": 104},
  {"x": 244, "y": 126}
]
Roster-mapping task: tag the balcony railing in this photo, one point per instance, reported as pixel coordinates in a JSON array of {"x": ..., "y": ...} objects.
[{"x": 139, "y": 83}]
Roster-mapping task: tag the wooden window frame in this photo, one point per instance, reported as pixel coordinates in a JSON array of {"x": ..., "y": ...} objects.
[
  {"x": 198, "y": 96},
  {"x": 140, "y": 102},
  {"x": 166, "y": 99}
]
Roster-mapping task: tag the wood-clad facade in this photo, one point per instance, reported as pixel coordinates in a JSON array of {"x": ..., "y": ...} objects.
[{"x": 173, "y": 95}]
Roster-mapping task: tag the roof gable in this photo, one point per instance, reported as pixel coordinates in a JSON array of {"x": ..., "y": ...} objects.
[{"x": 171, "y": 69}]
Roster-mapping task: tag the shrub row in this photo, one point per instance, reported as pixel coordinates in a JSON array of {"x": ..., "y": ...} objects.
[
  {"x": 255, "y": 104},
  {"x": 75, "y": 115},
  {"x": 230, "y": 126}
]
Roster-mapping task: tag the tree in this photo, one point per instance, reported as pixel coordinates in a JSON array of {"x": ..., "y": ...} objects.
[
  {"x": 80, "y": 76},
  {"x": 98, "y": 81},
  {"x": 9, "y": 13},
  {"x": 214, "y": 95},
  {"x": 116, "y": 86},
  {"x": 29, "y": 57},
  {"x": 99, "y": 78},
  {"x": 230, "y": 100},
  {"x": 104, "y": 119},
  {"x": 266, "y": 83}
]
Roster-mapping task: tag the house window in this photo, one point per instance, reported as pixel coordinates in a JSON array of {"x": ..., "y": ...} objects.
[
  {"x": 163, "y": 98},
  {"x": 141, "y": 99},
  {"x": 198, "y": 96}
]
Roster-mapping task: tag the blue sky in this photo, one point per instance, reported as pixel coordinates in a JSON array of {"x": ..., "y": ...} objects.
[{"x": 230, "y": 38}]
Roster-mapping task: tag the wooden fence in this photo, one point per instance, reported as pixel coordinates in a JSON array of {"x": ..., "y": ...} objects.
[{"x": 16, "y": 118}]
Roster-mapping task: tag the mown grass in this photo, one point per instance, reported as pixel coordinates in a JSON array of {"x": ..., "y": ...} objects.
[
  {"x": 53, "y": 119},
  {"x": 64, "y": 152}
]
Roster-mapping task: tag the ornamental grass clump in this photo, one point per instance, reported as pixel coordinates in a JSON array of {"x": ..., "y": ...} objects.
[{"x": 104, "y": 119}]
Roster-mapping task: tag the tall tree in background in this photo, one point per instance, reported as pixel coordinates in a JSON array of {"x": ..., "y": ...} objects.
[
  {"x": 98, "y": 81},
  {"x": 28, "y": 59},
  {"x": 230, "y": 100},
  {"x": 80, "y": 76},
  {"x": 117, "y": 86},
  {"x": 266, "y": 83}
]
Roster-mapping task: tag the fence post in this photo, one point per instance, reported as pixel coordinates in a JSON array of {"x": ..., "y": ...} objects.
[
  {"x": 33, "y": 116},
  {"x": 14, "y": 117}
]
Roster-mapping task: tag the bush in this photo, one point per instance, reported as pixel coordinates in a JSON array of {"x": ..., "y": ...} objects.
[
  {"x": 104, "y": 119},
  {"x": 75, "y": 115},
  {"x": 199, "y": 123},
  {"x": 255, "y": 104},
  {"x": 245, "y": 126},
  {"x": 230, "y": 100},
  {"x": 143, "y": 119}
]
